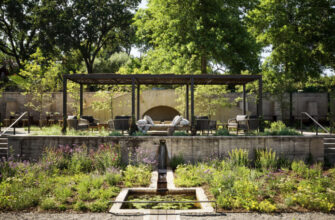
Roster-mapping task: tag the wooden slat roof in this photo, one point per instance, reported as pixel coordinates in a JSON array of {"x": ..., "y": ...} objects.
[{"x": 161, "y": 79}]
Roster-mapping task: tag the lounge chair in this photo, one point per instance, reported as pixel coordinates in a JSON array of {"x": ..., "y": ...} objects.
[
  {"x": 120, "y": 123},
  {"x": 241, "y": 122}
]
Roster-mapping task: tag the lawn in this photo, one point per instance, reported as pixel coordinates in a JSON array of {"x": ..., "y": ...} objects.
[
  {"x": 267, "y": 184},
  {"x": 68, "y": 178}
]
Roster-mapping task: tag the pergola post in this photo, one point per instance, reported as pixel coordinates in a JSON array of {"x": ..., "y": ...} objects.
[
  {"x": 260, "y": 104},
  {"x": 187, "y": 103},
  {"x": 81, "y": 100},
  {"x": 64, "y": 104},
  {"x": 192, "y": 106},
  {"x": 132, "y": 126},
  {"x": 244, "y": 103},
  {"x": 138, "y": 101}
]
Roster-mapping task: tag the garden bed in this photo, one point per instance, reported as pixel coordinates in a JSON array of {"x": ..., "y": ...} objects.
[
  {"x": 267, "y": 184},
  {"x": 68, "y": 179}
]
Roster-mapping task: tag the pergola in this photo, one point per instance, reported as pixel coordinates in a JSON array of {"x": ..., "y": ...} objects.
[{"x": 159, "y": 79}]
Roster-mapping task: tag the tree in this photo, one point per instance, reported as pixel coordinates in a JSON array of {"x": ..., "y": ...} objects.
[
  {"x": 39, "y": 78},
  {"x": 188, "y": 35},
  {"x": 297, "y": 32},
  {"x": 88, "y": 25},
  {"x": 19, "y": 29}
]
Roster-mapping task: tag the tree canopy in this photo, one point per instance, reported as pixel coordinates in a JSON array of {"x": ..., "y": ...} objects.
[
  {"x": 189, "y": 35},
  {"x": 89, "y": 25},
  {"x": 20, "y": 29}
]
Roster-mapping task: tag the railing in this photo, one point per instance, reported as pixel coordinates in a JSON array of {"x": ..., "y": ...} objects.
[
  {"x": 15, "y": 122},
  {"x": 315, "y": 122}
]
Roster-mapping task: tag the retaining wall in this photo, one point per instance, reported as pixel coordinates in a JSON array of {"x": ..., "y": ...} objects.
[{"x": 192, "y": 148}]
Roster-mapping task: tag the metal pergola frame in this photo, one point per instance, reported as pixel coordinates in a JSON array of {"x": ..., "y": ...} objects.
[{"x": 159, "y": 79}]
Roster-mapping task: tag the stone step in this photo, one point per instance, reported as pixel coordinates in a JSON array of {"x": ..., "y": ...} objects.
[
  {"x": 3, "y": 140},
  {"x": 3, "y": 144},
  {"x": 329, "y": 140},
  {"x": 330, "y": 150},
  {"x": 328, "y": 144}
]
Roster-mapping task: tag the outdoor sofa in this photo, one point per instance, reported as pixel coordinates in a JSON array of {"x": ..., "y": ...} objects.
[{"x": 178, "y": 123}]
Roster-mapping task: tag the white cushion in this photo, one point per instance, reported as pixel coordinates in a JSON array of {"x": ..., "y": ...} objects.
[
  {"x": 184, "y": 122},
  {"x": 241, "y": 117},
  {"x": 149, "y": 120},
  {"x": 176, "y": 120},
  {"x": 141, "y": 122}
]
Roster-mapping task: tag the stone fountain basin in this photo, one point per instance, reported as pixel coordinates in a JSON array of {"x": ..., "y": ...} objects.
[{"x": 205, "y": 208}]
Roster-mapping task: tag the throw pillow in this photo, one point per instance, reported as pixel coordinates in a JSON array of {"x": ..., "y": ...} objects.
[{"x": 149, "y": 120}]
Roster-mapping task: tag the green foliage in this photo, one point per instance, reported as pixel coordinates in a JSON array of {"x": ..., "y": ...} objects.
[
  {"x": 115, "y": 133},
  {"x": 222, "y": 132},
  {"x": 138, "y": 133},
  {"x": 189, "y": 175},
  {"x": 49, "y": 204},
  {"x": 186, "y": 36},
  {"x": 20, "y": 28},
  {"x": 38, "y": 77},
  {"x": 241, "y": 188},
  {"x": 266, "y": 159},
  {"x": 90, "y": 26},
  {"x": 176, "y": 160},
  {"x": 61, "y": 181},
  {"x": 180, "y": 133},
  {"x": 239, "y": 157},
  {"x": 279, "y": 128},
  {"x": 137, "y": 175},
  {"x": 57, "y": 130}
]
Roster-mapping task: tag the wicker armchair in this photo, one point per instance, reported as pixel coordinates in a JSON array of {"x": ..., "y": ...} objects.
[{"x": 241, "y": 122}]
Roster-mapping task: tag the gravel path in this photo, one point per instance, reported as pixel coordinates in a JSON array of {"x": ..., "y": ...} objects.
[{"x": 103, "y": 216}]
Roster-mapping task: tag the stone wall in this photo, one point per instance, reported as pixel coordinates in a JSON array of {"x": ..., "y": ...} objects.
[
  {"x": 192, "y": 148},
  {"x": 15, "y": 102}
]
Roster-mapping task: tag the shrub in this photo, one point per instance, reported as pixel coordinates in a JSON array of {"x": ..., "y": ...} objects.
[
  {"x": 115, "y": 133},
  {"x": 176, "y": 160},
  {"x": 49, "y": 204},
  {"x": 239, "y": 157},
  {"x": 62, "y": 193},
  {"x": 138, "y": 133},
  {"x": 266, "y": 159},
  {"x": 80, "y": 162},
  {"x": 192, "y": 175},
  {"x": 80, "y": 206},
  {"x": 107, "y": 156},
  {"x": 113, "y": 178},
  {"x": 222, "y": 132},
  {"x": 137, "y": 176},
  {"x": 279, "y": 128},
  {"x": 180, "y": 133},
  {"x": 99, "y": 206}
]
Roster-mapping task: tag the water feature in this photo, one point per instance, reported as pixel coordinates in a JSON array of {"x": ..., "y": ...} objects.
[
  {"x": 162, "y": 167},
  {"x": 161, "y": 194}
]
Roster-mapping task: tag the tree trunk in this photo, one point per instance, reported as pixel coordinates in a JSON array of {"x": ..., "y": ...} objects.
[{"x": 203, "y": 64}]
